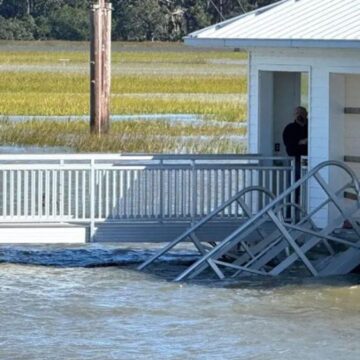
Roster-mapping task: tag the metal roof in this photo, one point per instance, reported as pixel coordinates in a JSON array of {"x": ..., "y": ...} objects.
[{"x": 288, "y": 23}]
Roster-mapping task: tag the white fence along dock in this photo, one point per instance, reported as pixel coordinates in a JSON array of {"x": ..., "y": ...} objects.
[{"x": 108, "y": 197}]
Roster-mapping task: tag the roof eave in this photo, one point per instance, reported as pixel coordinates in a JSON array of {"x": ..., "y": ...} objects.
[
  {"x": 236, "y": 18},
  {"x": 270, "y": 43}
]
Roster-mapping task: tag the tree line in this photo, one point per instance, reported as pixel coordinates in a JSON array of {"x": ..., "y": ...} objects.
[{"x": 136, "y": 20}]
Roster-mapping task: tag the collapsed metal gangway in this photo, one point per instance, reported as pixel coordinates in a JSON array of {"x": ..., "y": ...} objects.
[{"x": 268, "y": 242}]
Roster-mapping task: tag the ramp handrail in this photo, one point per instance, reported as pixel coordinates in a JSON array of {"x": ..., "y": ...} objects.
[{"x": 188, "y": 233}]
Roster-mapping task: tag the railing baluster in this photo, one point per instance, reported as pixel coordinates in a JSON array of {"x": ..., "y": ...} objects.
[
  {"x": 61, "y": 190},
  {"x": 107, "y": 195},
  {"x": 170, "y": 193},
  {"x": 176, "y": 192},
  {"x": 18, "y": 192},
  {"x": 153, "y": 194},
  {"x": 77, "y": 194},
  {"x": 131, "y": 187},
  {"x": 83, "y": 194},
  {"x": 194, "y": 191},
  {"x": 223, "y": 190},
  {"x": 187, "y": 194},
  {"x": 217, "y": 189},
  {"x": 5, "y": 193},
  {"x": 202, "y": 192},
  {"x": 251, "y": 193},
  {"x": 285, "y": 182},
  {"x": 150, "y": 188},
  {"x": 33, "y": 194},
  {"x": 26, "y": 193},
  {"x": 92, "y": 190},
  {"x": 235, "y": 191},
  {"x": 99, "y": 176},
  {"x": 145, "y": 189},
  {"x": 139, "y": 212},
  {"x": 113, "y": 193},
  {"x": 47, "y": 193},
  {"x": 70, "y": 213},
  {"x": 272, "y": 182},
  {"x": 166, "y": 193},
  {"x": 229, "y": 194},
  {"x": 277, "y": 172},
  {"x": 190, "y": 192},
  {"x": 212, "y": 189},
  {"x": 54, "y": 193},
  {"x": 12, "y": 193},
  {"x": 182, "y": 195},
  {"x": 125, "y": 195},
  {"x": 40, "y": 201}
]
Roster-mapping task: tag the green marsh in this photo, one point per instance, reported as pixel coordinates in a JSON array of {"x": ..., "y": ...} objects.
[{"x": 52, "y": 78}]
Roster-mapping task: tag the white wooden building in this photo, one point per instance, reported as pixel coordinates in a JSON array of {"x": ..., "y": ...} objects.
[{"x": 301, "y": 52}]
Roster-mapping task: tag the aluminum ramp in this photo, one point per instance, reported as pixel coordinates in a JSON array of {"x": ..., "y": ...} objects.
[
  {"x": 244, "y": 200},
  {"x": 286, "y": 244}
]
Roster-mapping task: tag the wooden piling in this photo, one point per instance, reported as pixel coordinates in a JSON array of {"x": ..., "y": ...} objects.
[{"x": 100, "y": 66}]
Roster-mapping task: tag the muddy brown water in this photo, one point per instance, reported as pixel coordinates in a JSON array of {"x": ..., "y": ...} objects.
[{"x": 90, "y": 302}]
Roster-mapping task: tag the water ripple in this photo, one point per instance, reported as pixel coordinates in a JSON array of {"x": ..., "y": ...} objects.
[
  {"x": 76, "y": 306},
  {"x": 87, "y": 256}
]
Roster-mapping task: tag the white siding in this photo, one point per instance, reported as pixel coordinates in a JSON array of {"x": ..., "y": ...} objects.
[
  {"x": 323, "y": 128},
  {"x": 352, "y": 121},
  {"x": 337, "y": 131}
]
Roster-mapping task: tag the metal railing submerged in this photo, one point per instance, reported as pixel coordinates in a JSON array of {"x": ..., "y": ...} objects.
[{"x": 108, "y": 187}]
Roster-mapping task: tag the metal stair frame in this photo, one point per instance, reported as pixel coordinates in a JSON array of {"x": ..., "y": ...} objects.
[
  {"x": 190, "y": 233},
  {"x": 299, "y": 251}
]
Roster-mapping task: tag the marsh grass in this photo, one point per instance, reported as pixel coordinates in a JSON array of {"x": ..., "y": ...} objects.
[
  {"x": 31, "y": 57},
  {"x": 78, "y": 104},
  {"x": 30, "y": 82},
  {"x": 24, "y": 93},
  {"x": 53, "y": 52},
  {"x": 126, "y": 136},
  {"x": 51, "y": 78}
]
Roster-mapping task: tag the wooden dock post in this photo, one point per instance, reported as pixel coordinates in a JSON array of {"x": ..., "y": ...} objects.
[{"x": 100, "y": 66}]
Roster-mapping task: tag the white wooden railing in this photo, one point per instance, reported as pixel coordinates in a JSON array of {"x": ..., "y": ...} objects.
[{"x": 90, "y": 188}]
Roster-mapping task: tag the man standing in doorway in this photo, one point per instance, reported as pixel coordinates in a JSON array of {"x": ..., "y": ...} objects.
[{"x": 295, "y": 137}]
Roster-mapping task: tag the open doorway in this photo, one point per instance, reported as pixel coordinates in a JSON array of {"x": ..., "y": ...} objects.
[{"x": 280, "y": 92}]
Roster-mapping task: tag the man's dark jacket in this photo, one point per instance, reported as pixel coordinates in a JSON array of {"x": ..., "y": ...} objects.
[{"x": 292, "y": 134}]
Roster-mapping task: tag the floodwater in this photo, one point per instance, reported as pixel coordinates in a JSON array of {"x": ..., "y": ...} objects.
[{"x": 90, "y": 302}]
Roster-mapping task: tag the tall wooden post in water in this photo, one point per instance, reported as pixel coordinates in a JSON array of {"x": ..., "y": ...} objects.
[{"x": 100, "y": 66}]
